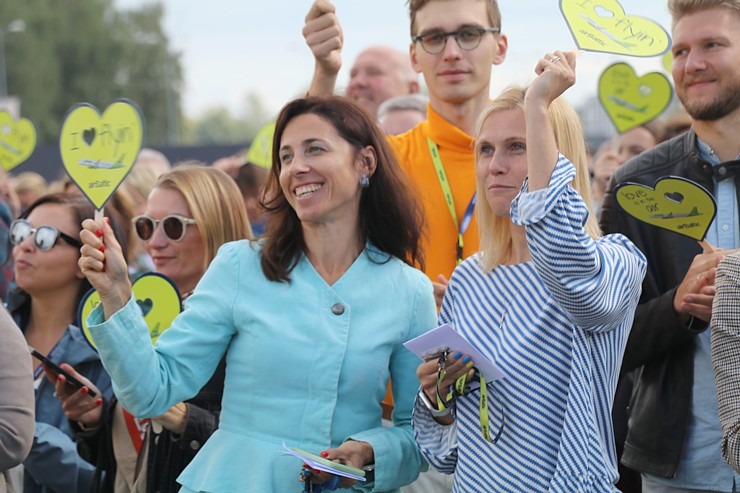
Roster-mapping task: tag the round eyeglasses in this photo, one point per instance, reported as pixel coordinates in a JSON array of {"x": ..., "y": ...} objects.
[
  {"x": 45, "y": 237},
  {"x": 174, "y": 226},
  {"x": 467, "y": 38}
]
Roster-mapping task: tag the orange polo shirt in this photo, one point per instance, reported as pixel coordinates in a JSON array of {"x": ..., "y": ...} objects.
[{"x": 456, "y": 149}]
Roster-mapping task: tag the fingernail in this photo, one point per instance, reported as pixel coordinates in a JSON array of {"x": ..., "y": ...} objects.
[
  {"x": 457, "y": 355},
  {"x": 466, "y": 359},
  {"x": 84, "y": 390},
  {"x": 469, "y": 364},
  {"x": 101, "y": 248},
  {"x": 324, "y": 454},
  {"x": 99, "y": 402},
  {"x": 107, "y": 221},
  {"x": 99, "y": 233}
]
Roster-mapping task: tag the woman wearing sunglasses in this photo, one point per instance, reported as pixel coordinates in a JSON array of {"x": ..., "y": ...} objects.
[
  {"x": 190, "y": 212},
  {"x": 50, "y": 286},
  {"x": 311, "y": 320}
]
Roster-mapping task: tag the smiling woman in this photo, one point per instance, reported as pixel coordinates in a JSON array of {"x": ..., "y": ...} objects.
[
  {"x": 310, "y": 343},
  {"x": 190, "y": 213}
]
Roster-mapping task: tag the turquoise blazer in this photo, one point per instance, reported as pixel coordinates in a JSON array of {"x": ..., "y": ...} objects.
[{"x": 307, "y": 364}]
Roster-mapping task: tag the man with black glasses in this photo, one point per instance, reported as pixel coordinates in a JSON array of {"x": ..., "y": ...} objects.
[{"x": 453, "y": 45}]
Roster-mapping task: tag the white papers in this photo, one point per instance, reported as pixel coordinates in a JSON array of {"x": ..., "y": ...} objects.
[
  {"x": 445, "y": 336},
  {"x": 321, "y": 464}
]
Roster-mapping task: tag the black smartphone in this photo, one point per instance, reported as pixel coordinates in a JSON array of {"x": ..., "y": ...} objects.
[{"x": 60, "y": 371}]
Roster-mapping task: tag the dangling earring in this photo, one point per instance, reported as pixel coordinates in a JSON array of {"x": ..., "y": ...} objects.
[{"x": 364, "y": 182}]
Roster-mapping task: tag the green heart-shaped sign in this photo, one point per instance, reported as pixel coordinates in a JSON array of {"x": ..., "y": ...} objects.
[
  {"x": 631, "y": 101},
  {"x": 98, "y": 150},
  {"x": 674, "y": 203},
  {"x": 156, "y": 296},
  {"x": 602, "y": 26},
  {"x": 17, "y": 140}
]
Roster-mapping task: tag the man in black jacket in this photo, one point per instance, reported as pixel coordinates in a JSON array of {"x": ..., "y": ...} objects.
[{"x": 674, "y": 433}]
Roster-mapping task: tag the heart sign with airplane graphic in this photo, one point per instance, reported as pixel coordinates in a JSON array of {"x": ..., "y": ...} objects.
[
  {"x": 98, "y": 151},
  {"x": 603, "y": 26}
]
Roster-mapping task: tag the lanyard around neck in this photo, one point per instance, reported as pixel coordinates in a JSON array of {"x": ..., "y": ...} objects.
[{"x": 447, "y": 192}]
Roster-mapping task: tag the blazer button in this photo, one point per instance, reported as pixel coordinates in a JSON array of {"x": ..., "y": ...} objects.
[
  {"x": 195, "y": 445},
  {"x": 337, "y": 308}
]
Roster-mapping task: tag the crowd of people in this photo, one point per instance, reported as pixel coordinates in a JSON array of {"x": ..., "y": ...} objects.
[{"x": 356, "y": 223}]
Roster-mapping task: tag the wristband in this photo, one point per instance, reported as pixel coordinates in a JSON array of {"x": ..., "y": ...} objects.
[{"x": 432, "y": 409}]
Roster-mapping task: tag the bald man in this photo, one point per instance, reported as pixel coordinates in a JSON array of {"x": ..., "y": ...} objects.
[{"x": 380, "y": 73}]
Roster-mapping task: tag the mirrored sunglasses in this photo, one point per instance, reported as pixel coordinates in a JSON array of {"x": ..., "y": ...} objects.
[
  {"x": 174, "y": 226},
  {"x": 45, "y": 237}
]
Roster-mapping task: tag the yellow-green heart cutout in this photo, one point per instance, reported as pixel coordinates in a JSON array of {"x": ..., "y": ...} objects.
[
  {"x": 603, "y": 26},
  {"x": 674, "y": 203},
  {"x": 97, "y": 150},
  {"x": 17, "y": 140},
  {"x": 156, "y": 296},
  {"x": 667, "y": 61},
  {"x": 631, "y": 101}
]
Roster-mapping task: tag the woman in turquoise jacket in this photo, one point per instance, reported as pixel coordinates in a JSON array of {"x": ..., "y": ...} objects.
[{"x": 312, "y": 320}]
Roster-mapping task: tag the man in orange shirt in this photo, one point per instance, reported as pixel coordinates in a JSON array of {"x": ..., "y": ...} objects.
[{"x": 454, "y": 44}]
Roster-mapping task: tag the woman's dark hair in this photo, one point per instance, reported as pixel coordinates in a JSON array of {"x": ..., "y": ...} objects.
[
  {"x": 390, "y": 214},
  {"x": 82, "y": 209}
]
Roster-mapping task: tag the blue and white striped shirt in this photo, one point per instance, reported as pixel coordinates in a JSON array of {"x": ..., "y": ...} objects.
[{"x": 557, "y": 326}]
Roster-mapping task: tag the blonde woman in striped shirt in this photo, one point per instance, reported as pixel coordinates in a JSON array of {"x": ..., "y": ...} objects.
[{"x": 547, "y": 299}]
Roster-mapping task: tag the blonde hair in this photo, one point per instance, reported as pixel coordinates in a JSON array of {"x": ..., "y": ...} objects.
[
  {"x": 679, "y": 8},
  {"x": 140, "y": 181},
  {"x": 30, "y": 181},
  {"x": 495, "y": 232},
  {"x": 214, "y": 201}
]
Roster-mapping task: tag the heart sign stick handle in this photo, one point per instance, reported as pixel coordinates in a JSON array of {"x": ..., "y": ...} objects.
[
  {"x": 100, "y": 221},
  {"x": 706, "y": 247}
]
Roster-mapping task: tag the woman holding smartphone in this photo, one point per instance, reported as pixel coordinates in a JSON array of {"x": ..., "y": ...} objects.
[{"x": 50, "y": 286}]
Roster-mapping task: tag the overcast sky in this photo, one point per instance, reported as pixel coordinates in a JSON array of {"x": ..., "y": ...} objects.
[{"x": 233, "y": 47}]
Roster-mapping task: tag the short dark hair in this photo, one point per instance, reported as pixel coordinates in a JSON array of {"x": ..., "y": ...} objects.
[{"x": 390, "y": 213}]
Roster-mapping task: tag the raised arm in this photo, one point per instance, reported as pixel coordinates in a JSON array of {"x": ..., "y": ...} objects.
[
  {"x": 555, "y": 74},
  {"x": 323, "y": 35}
]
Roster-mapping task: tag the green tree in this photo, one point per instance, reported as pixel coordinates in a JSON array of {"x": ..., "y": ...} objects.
[
  {"x": 85, "y": 51},
  {"x": 218, "y": 125}
]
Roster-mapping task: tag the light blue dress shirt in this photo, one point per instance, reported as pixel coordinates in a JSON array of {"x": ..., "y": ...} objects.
[{"x": 306, "y": 364}]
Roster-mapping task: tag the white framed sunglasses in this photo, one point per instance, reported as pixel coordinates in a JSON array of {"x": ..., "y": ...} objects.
[{"x": 174, "y": 226}]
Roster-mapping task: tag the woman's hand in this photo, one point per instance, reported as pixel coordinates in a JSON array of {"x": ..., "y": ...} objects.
[
  {"x": 103, "y": 264},
  {"x": 77, "y": 404},
  {"x": 175, "y": 418},
  {"x": 555, "y": 73},
  {"x": 351, "y": 453},
  {"x": 456, "y": 365},
  {"x": 440, "y": 288}
]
